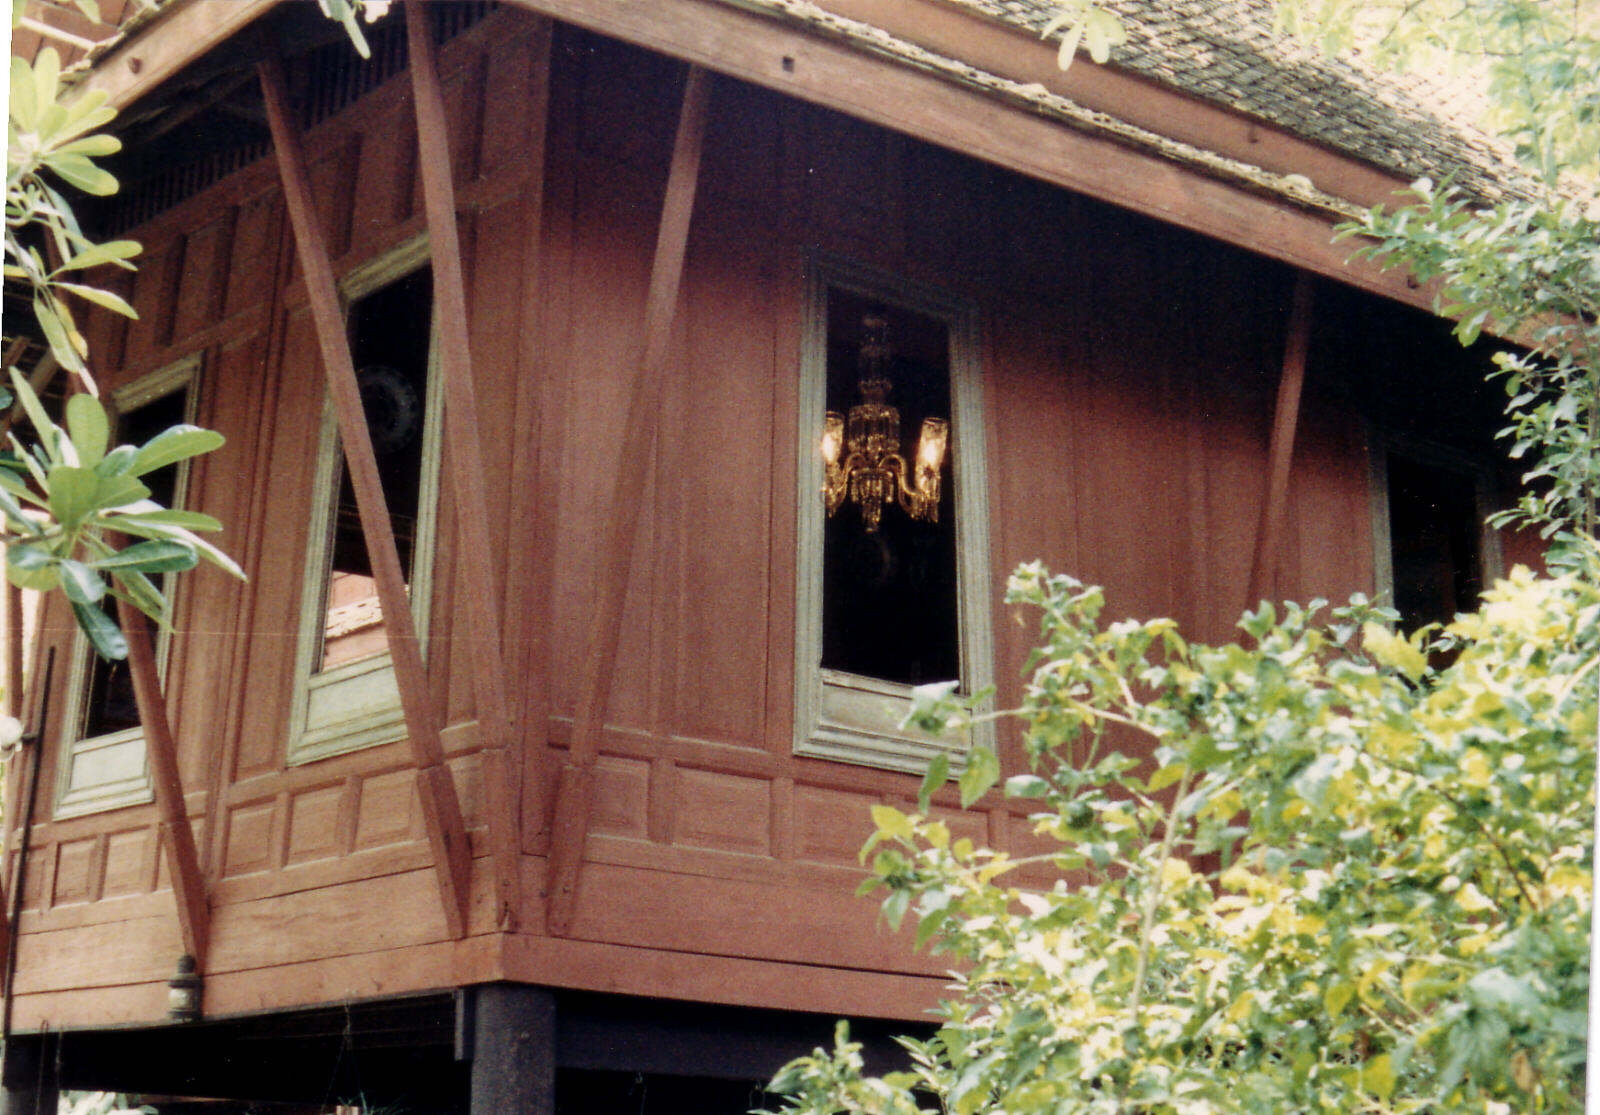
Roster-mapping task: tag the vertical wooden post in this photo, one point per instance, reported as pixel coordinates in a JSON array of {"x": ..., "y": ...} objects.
[
  {"x": 513, "y": 1050},
  {"x": 501, "y": 774},
  {"x": 1280, "y": 450},
  {"x": 441, "y": 809},
  {"x": 177, "y": 838},
  {"x": 527, "y": 567},
  {"x": 575, "y": 795}
]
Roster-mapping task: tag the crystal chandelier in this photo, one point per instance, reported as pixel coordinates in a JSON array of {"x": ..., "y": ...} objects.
[{"x": 872, "y": 471}]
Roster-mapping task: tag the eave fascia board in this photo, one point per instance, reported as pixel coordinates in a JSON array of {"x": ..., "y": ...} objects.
[
  {"x": 176, "y": 35},
  {"x": 866, "y": 73}
]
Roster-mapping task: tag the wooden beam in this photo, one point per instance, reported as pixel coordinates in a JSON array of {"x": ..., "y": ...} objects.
[
  {"x": 177, "y": 838},
  {"x": 501, "y": 784},
  {"x": 441, "y": 809},
  {"x": 576, "y": 792},
  {"x": 528, "y": 567},
  {"x": 1280, "y": 449},
  {"x": 936, "y": 107},
  {"x": 181, "y": 33}
]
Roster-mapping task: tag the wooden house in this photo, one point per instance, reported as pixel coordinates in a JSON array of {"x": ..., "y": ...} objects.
[{"x": 524, "y": 335}]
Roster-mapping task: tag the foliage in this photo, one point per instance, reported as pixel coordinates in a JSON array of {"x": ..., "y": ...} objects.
[
  {"x": 100, "y": 1103},
  {"x": 83, "y": 494},
  {"x": 67, "y": 501},
  {"x": 1529, "y": 269},
  {"x": 350, "y": 13},
  {"x": 51, "y": 138},
  {"x": 1350, "y": 883}
]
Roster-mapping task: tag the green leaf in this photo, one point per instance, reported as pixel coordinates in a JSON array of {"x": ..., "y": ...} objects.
[
  {"x": 133, "y": 525},
  {"x": 119, "y": 491},
  {"x": 118, "y": 461},
  {"x": 89, "y": 428},
  {"x": 28, "y": 556},
  {"x": 104, "y": 635},
  {"x": 151, "y": 557},
  {"x": 57, "y": 334},
  {"x": 1102, "y": 29},
  {"x": 1377, "y": 1076},
  {"x": 144, "y": 594},
  {"x": 81, "y": 584},
  {"x": 36, "y": 415},
  {"x": 24, "y": 95},
  {"x": 981, "y": 773},
  {"x": 74, "y": 494},
  {"x": 938, "y": 774},
  {"x": 1026, "y": 786},
  {"x": 113, "y": 302},
  {"x": 188, "y": 520},
  {"x": 1393, "y": 650},
  {"x": 75, "y": 170},
  {"x": 177, "y": 443},
  {"x": 892, "y": 822},
  {"x": 113, "y": 251}
]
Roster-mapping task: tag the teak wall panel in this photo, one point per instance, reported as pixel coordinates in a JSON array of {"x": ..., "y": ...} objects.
[
  {"x": 613, "y": 232},
  {"x": 719, "y": 444}
]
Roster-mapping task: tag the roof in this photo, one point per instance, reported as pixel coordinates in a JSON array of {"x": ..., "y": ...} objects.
[{"x": 1227, "y": 52}]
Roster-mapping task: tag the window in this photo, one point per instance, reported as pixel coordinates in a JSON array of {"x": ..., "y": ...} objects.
[
  {"x": 346, "y": 696},
  {"x": 103, "y": 764},
  {"x": 882, "y": 608},
  {"x": 1434, "y": 552}
]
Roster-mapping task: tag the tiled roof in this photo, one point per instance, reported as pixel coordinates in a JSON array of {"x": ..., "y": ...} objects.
[{"x": 1227, "y": 52}]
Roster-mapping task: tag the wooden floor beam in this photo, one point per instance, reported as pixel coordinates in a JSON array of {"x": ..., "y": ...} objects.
[
  {"x": 575, "y": 794},
  {"x": 176, "y": 836},
  {"x": 1280, "y": 448},
  {"x": 441, "y": 808},
  {"x": 485, "y": 641}
]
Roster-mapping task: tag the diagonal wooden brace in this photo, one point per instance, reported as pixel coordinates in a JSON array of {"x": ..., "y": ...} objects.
[
  {"x": 501, "y": 771},
  {"x": 441, "y": 809},
  {"x": 575, "y": 795},
  {"x": 177, "y": 838},
  {"x": 1280, "y": 449}
]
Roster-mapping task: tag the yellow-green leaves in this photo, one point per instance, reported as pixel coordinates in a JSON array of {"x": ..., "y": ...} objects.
[
  {"x": 53, "y": 144},
  {"x": 1394, "y": 651},
  {"x": 83, "y": 494},
  {"x": 1292, "y": 873}
]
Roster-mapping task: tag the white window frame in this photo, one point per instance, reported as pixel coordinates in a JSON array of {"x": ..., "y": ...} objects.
[
  {"x": 848, "y": 717},
  {"x": 357, "y": 704},
  {"x": 1491, "y": 556},
  {"x": 78, "y": 790}
]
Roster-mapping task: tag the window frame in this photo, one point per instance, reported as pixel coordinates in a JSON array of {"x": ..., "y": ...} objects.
[
  {"x": 74, "y": 798},
  {"x": 847, "y": 717},
  {"x": 356, "y": 704},
  {"x": 1480, "y": 474}
]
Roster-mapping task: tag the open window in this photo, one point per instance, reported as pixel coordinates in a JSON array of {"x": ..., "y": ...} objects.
[
  {"x": 346, "y": 696},
  {"x": 893, "y": 576},
  {"x": 1435, "y": 553},
  {"x": 103, "y": 761}
]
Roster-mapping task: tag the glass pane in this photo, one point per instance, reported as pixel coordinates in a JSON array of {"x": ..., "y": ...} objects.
[
  {"x": 110, "y": 705},
  {"x": 389, "y": 331},
  {"x": 889, "y": 596}
]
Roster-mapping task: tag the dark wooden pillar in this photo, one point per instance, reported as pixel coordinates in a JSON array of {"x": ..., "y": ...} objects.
[{"x": 513, "y": 1050}]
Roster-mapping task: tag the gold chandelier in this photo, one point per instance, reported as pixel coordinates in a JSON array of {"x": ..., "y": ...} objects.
[{"x": 872, "y": 471}]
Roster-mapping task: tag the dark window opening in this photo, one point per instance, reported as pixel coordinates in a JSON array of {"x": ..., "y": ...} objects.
[
  {"x": 1434, "y": 533},
  {"x": 110, "y": 705},
  {"x": 889, "y": 597},
  {"x": 389, "y": 333}
]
